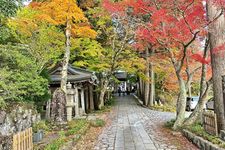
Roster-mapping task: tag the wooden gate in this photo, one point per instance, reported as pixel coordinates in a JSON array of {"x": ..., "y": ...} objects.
[
  {"x": 210, "y": 122},
  {"x": 23, "y": 140}
]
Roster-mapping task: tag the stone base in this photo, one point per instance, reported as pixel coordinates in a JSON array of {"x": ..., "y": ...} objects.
[{"x": 80, "y": 117}]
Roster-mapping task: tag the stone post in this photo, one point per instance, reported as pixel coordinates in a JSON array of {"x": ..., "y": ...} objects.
[
  {"x": 76, "y": 102},
  {"x": 69, "y": 102},
  {"x": 48, "y": 110}
]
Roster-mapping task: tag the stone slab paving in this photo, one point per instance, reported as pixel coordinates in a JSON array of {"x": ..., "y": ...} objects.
[{"x": 136, "y": 128}]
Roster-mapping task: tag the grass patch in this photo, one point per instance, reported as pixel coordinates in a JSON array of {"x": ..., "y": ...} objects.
[
  {"x": 169, "y": 124},
  {"x": 41, "y": 125},
  {"x": 77, "y": 127},
  {"x": 56, "y": 144},
  {"x": 103, "y": 110},
  {"x": 72, "y": 132},
  {"x": 164, "y": 108},
  {"x": 98, "y": 123},
  {"x": 198, "y": 129}
]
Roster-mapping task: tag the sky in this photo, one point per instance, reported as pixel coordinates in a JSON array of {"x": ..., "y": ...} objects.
[{"x": 26, "y": 2}]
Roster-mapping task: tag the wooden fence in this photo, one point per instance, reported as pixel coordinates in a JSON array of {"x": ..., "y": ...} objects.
[
  {"x": 23, "y": 140},
  {"x": 210, "y": 122}
]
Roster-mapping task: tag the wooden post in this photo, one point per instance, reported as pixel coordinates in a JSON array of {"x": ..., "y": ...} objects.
[
  {"x": 86, "y": 99},
  {"x": 91, "y": 98},
  {"x": 76, "y": 102},
  {"x": 82, "y": 100}
]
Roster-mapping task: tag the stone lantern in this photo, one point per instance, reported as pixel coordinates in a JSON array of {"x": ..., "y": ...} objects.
[{"x": 69, "y": 101}]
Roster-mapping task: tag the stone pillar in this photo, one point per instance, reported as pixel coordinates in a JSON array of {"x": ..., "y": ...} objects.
[
  {"x": 76, "y": 99},
  {"x": 69, "y": 102},
  {"x": 82, "y": 100},
  {"x": 91, "y": 98}
]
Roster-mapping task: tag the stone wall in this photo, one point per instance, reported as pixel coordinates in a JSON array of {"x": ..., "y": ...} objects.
[
  {"x": 13, "y": 120},
  {"x": 17, "y": 120},
  {"x": 5, "y": 142}
]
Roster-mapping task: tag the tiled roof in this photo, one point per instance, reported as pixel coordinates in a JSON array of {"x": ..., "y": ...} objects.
[{"x": 74, "y": 74}]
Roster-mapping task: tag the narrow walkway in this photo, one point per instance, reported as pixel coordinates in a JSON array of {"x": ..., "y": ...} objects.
[{"x": 136, "y": 128}]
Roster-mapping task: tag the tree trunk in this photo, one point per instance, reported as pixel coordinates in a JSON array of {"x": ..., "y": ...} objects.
[
  {"x": 141, "y": 89},
  {"x": 102, "y": 94},
  {"x": 147, "y": 75},
  {"x": 217, "y": 38},
  {"x": 204, "y": 88},
  {"x": 199, "y": 108},
  {"x": 189, "y": 89},
  {"x": 189, "y": 77},
  {"x": 66, "y": 57},
  {"x": 181, "y": 104},
  {"x": 152, "y": 94}
]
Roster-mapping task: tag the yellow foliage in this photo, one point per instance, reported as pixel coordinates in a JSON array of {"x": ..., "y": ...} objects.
[
  {"x": 24, "y": 23},
  {"x": 59, "y": 12},
  {"x": 85, "y": 31}
]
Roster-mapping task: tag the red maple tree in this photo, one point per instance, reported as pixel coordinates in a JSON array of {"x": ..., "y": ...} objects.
[{"x": 167, "y": 26}]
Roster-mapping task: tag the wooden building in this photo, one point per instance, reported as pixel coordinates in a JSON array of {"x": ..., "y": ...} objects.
[{"x": 80, "y": 97}]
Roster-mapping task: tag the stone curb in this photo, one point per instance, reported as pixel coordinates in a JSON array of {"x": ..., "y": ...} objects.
[
  {"x": 200, "y": 142},
  {"x": 139, "y": 101}
]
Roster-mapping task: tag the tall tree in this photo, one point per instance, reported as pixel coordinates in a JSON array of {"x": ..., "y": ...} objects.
[
  {"x": 114, "y": 36},
  {"x": 9, "y": 7},
  {"x": 43, "y": 41},
  {"x": 205, "y": 86},
  {"x": 70, "y": 18},
  {"x": 217, "y": 41},
  {"x": 19, "y": 77},
  {"x": 147, "y": 75},
  {"x": 170, "y": 31}
]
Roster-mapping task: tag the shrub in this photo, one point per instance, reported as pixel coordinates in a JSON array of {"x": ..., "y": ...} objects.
[
  {"x": 110, "y": 102},
  {"x": 41, "y": 125},
  {"x": 198, "y": 129}
]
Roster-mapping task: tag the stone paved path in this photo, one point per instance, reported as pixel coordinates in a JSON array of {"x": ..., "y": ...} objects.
[{"x": 136, "y": 128}]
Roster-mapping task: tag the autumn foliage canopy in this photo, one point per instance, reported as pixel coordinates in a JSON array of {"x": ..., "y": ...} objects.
[{"x": 167, "y": 24}]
